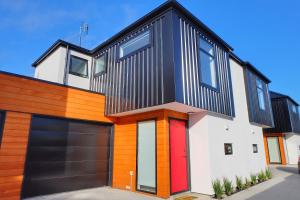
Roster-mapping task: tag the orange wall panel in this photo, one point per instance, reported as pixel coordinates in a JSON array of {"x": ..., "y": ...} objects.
[{"x": 13, "y": 153}]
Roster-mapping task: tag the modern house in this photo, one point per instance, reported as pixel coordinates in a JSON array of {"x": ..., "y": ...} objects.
[
  {"x": 162, "y": 107},
  {"x": 282, "y": 142}
]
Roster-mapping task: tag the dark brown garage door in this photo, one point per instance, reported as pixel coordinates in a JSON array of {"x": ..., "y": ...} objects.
[{"x": 65, "y": 155}]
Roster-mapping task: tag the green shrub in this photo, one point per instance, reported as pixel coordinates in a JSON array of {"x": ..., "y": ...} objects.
[
  {"x": 261, "y": 176},
  {"x": 228, "y": 188},
  {"x": 218, "y": 189},
  {"x": 253, "y": 179},
  {"x": 239, "y": 183},
  {"x": 268, "y": 173},
  {"x": 247, "y": 183}
]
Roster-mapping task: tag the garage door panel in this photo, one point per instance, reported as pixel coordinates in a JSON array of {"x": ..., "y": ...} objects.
[
  {"x": 55, "y": 169},
  {"x": 55, "y": 138},
  {"x": 61, "y": 184},
  {"x": 68, "y": 153},
  {"x": 65, "y": 155}
]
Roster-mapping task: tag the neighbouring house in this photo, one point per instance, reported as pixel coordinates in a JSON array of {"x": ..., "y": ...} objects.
[
  {"x": 282, "y": 142},
  {"x": 162, "y": 107}
]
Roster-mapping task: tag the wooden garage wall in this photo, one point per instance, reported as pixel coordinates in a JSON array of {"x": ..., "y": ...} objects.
[
  {"x": 21, "y": 97},
  {"x": 125, "y": 150}
]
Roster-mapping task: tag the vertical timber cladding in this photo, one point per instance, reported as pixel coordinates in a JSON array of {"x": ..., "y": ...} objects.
[
  {"x": 137, "y": 81},
  {"x": 187, "y": 64}
]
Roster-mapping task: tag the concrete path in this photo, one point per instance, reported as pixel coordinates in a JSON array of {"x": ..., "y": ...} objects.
[{"x": 285, "y": 185}]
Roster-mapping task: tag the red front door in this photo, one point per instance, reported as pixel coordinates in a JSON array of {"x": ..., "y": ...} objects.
[{"x": 179, "y": 176}]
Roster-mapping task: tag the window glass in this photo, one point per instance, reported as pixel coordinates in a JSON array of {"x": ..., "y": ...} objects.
[
  {"x": 135, "y": 44},
  {"x": 260, "y": 94},
  {"x": 146, "y": 159},
  {"x": 228, "y": 149},
  {"x": 100, "y": 65},
  {"x": 207, "y": 64},
  {"x": 294, "y": 108},
  {"x": 2, "y": 117},
  {"x": 255, "y": 149},
  {"x": 78, "y": 66}
]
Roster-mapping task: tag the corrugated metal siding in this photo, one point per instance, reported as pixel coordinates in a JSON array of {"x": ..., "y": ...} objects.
[
  {"x": 281, "y": 117},
  {"x": 294, "y": 118},
  {"x": 193, "y": 92},
  {"x": 256, "y": 115},
  {"x": 136, "y": 81}
]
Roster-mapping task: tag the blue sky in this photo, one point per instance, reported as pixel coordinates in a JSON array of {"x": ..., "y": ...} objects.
[{"x": 266, "y": 33}]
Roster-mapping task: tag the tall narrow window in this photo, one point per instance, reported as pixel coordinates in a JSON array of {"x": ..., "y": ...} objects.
[
  {"x": 146, "y": 156},
  {"x": 100, "y": 65},
  {"x": 260, "y": 94},
  {"x": 135, "y": 44},
  {"x": 2, "y": 118},
  {"x": 207, "y": 64},
  {"x": 294, "y": 108},
  {"x": 78, "y": 66}
]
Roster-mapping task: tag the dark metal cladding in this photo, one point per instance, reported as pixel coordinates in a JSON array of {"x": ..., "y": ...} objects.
[
  {"x": 257, "y": 115},
  {"x": 189, "y": 89},
  {"x": 285, "y": 119},
  {"x": 143, "y": 79}
]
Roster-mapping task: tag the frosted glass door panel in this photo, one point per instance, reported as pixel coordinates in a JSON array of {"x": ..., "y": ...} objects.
[
  {"x": 146, "y": 174},
  {"x": 274, "y": 152}
]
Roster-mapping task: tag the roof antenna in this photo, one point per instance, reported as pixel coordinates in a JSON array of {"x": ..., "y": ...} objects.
[{"x": 84, "y": 29}]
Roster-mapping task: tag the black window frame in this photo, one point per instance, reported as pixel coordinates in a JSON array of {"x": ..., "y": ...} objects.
[
  {"x": 255, "y": 148},
  {"x": 263, "y": 92},
  {"x": 225, "y": 149},
  {"x": 2, "y": 122},
  {"x": 127, "y": 39},
  {"x": 199, "y": 50},
  {"x": 78, "y": 74},
  {"x": 105, "y": 63}
]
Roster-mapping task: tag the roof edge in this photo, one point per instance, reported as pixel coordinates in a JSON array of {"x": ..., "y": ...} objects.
[{"x": 283, "y": 96}]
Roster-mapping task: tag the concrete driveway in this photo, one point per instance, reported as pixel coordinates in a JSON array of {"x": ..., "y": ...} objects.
[
  {"x": 103, "y": 193},
  {"x": 285, "y": 185}
]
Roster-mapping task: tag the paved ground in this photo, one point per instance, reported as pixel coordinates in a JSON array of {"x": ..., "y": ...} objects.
[{"x": 285, "y": 185}]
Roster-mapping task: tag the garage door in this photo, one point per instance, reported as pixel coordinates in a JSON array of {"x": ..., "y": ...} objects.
[{"x": 65, "y": 155}]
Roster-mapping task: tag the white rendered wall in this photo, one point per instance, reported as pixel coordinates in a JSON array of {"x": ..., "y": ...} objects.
[
  {"x": 208, "y": 133},
  {"x": 292, "y": 142},
  {"x": 78, "y": 81},
  {"x": 52, "y": 68}
]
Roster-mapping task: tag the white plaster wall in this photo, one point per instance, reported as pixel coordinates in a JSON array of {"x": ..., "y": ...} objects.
[
  {"x": 77, "y": 81},
  {"x": 292, "y": 142},
  {"x": 207, "y": 137},
  {"x": 52, "y": 68}
]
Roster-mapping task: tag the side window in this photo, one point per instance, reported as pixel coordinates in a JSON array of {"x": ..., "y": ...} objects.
[
  {"x": 208, "y": 70},
  {"x": 294, "y": 108},
  {"x": 2, "y": 119},
  {"x": 135, "y": 44},
  {"x": 78, "y": 67},
  {"x": 260, "y": 94},
  {"x": 100, "y": 65}
]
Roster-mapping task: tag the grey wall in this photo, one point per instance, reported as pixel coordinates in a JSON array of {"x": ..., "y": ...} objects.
[{"x": 256, "y": 115}]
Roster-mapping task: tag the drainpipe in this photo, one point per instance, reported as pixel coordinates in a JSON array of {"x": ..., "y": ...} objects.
[{"x": 66, "y": 72}]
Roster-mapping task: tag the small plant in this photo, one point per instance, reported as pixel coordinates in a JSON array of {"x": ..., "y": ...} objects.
[
  {"x": 228, "y": 188},
  {"x": 247, "y": 183},
  {"x": 218, "y": 189},
  {"x": 239, "y": 183},
  {"x": 268, "y": 173},
  {"x": 261, "y": 176},
  {"x": 253, "y": 179}
]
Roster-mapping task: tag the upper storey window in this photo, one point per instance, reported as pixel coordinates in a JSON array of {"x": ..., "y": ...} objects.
[
  {"x": 207, "y": 64},
  {"x": 78, "y": 67},
  {"x": 260, "y": 94},
  {"x": 294, "y": 108},
  {"x": 100, "y": 65},
  {"x": 135, "y": 44}
]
